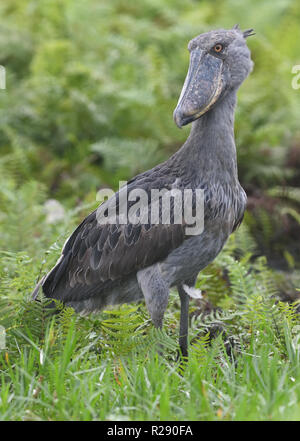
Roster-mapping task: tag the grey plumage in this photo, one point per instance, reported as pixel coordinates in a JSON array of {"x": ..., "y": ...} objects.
[{"x": 107, "y": 264}]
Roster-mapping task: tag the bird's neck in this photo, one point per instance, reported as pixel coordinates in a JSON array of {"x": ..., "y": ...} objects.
[{"x": 210, "y": 148}]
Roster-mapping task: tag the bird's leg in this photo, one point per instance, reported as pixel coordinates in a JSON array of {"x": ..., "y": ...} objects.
[
  {"x": 184, "y": 318},
  {"x": 155, "y": 291},
  {"x": 184, "y": 321}
]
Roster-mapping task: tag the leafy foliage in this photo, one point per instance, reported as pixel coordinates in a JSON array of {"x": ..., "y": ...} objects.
[
  {"x": 90, "y": 92},
  {"x": 59, "y": 365}
]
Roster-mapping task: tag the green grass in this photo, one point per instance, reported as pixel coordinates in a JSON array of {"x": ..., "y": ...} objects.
[
  {"x": 106, "y": 366},
  {"x": 78, "y": 383},
  {"x": 89, "y": 100}
]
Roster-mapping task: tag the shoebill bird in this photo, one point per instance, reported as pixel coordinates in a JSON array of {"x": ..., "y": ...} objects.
[{"x": 106, "y": 264}]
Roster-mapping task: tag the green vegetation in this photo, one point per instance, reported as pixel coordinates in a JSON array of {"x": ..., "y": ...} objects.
[
  {"x": 91, "y": 87},
  {"x": 244, "y": 358}
]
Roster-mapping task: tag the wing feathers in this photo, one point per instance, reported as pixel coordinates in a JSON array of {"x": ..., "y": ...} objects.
[{"x": 98, "y": 254}]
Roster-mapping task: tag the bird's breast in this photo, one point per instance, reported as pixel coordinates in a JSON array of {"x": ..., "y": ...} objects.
[
  {"x": 224, "y": 207},
  {"x": 224, "y": 203}
]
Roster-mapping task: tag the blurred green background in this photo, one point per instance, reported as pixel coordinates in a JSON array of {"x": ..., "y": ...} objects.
[{"x": 91, "y": 86}]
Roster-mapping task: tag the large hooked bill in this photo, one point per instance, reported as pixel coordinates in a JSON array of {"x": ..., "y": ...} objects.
[{"x": 202, "y": 87}]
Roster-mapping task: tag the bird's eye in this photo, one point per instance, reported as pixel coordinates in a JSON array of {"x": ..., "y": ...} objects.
[{"x": 218, "y": 48}]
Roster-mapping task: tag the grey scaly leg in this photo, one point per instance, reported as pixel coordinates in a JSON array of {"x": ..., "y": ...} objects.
[
  {"x": 184, "y": 321},
  {"x": 184, "y": 316}
]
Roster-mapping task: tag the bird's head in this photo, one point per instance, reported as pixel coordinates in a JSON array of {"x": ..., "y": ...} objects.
[{"x": 219, "y": 62}]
